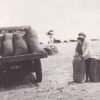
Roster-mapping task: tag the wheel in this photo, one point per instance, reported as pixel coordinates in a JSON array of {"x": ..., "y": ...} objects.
[{"x": 38, "y": 70}]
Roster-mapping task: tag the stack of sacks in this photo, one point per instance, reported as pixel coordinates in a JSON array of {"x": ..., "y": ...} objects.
[{"x": 19, "y": 43}]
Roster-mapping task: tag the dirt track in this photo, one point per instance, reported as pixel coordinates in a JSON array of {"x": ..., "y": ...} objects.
[{"x": 57, "y": 81}]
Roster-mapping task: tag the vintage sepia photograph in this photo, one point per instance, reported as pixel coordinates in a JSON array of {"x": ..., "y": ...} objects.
[{"x": 49, "y": 49}]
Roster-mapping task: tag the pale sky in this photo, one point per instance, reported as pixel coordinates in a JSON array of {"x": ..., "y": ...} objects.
[{"x": 66, "y": 17}]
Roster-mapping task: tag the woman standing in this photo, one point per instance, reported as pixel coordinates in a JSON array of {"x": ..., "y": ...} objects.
[{"x": 83, "y": 50}]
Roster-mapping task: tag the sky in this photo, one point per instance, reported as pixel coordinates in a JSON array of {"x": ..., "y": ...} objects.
[{"x": 66, "y": 17}]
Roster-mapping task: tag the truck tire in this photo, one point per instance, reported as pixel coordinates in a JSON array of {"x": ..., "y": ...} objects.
[{"x": 38, "y": 70}]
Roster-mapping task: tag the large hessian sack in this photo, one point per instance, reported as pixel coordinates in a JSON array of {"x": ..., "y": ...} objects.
[
  {"x": 32, "y": 41},
  {"x": 94, "y": 70},
  {"x": 8, "y": 45},
  {"x": 1, "y": 41},
  {"x": 79, "y": 70},
  {"x": 20, "y": 46}
]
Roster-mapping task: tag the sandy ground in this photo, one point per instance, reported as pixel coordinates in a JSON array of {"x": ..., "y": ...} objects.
[{"x": 57, "y": 81}]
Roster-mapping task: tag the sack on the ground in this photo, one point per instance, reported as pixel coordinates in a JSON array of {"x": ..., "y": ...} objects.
[
  {"x": 20, "y": 46},
  {"x": 32, "y": 42},
  {"x": 79, "y": 70},
  {"x": 94, "y": 71},
  {"x": 8, "y": 45}
]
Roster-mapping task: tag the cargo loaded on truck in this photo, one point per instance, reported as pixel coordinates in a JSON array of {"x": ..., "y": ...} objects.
[{"x": 20, "y": 53}]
